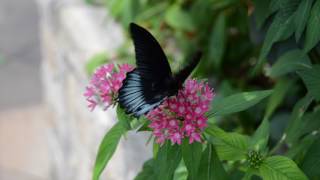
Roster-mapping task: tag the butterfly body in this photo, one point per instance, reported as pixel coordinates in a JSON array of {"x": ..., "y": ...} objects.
[{"x": 147, "y": 86}]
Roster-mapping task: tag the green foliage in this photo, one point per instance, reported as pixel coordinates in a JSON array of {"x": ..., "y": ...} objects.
[
  {"x": 96, "y": 61},
  {"x": 280, "y": 168},
  {"x": 247, "y": 47},
  {"x": 107, "y": 148},
  {"x": 191, "y": 154},
  {"x": 237, "y": 102}
]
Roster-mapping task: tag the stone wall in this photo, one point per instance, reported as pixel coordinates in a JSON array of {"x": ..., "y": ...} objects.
[{"x": 71, "y": 33}]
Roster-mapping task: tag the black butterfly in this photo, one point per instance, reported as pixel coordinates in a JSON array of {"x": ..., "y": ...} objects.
[{"x": 151, "y": 81}]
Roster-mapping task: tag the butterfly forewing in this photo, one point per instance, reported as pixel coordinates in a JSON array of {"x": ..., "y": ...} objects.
[{"x": 145, "y": 87}]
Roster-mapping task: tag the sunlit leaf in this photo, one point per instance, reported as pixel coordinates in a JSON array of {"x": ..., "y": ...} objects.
[
  {"x": 107, "y": 148},
  {"x": 237, "y": 102},
  {"x": 176, "y": 17},
  {"x": 229, "y": 146},
  {"x": 260, "y": 138},
  {"x": 280, "y": 168}
]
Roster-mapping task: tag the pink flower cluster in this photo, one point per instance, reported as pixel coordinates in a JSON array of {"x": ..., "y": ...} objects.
[
  {"x": 105, "y": 83},
  {"x": 183, "y": 115}
]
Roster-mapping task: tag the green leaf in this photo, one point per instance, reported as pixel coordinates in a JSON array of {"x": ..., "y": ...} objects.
[
  {"x": 290, "y": 61},
  {"x": 280, "y": 168},
  {"x": 313, "y": 26},
  {"x": 301, "y": 17},
  {"x": 191, "y": 154},
  {"x": 311, "y": 78},
  {"x": 217, "y": 41},
  {"x": 123, "y": 118},
  {"x": 181, "y": 172},
  {"x": 293, "y": 128},
  {"x": 261, "y": 11},
  {"x": 168, "y": 158},
  {"x": 147, "y": 172},
  {"x": 311, "y": 161},
  {"x": 280, "y": 29},
  {"x": 237, "y": 102},
  {"x": 179, "y": 19},
  {"x": 211, "y": 167},
  {"x": 301, "y": 147},
  {"x": 230, "y": 146},
  {"x": 107, "y": 148},
  {"x": 260, "y": 138},
  {"x": 96, "y": 61},
  {"x": 278, "y": 94}
]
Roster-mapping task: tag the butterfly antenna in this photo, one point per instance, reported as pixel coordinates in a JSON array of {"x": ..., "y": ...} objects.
[{"x": 183, "y": 74}]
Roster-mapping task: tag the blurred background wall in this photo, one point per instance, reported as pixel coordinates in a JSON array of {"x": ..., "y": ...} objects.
[{"x": 46, "y": 130}]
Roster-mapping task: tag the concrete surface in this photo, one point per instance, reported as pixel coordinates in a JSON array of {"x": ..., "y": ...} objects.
[
  {"x": 19, "y": 54},
  {"x": 23, "y": 120}
]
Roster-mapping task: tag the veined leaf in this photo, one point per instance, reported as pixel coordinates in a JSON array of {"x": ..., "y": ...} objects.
[
  {"x": 313, "y": 26},
  {"x": 311, "y": 162},
  {"x": 179, "y": 19},
  {"x": 260, "y": 138},
  {"x": 211, "y": 167},
  {"x": 237, "y": 102},
  {"x": 311, "y": 78},
  {"x": 191, "y": 154},
  {"x": 290, "y": 61},
  {"x": 301, "y": 17},
  {"x": 217, "y": 40},
  {"x": 229, "y": 146},
  {"x": 107, "y": 148},
  {"x": 168, "y": 158},
  {"x": 280, "y": 168}
]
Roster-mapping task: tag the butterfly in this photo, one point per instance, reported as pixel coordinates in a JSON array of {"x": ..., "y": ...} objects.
[{"x": 152, "y": 81}]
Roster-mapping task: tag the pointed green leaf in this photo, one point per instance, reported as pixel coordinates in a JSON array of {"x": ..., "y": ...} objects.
[
  {"x": 301, "y": 17},
  {"x": 313, "y": 26},
  {"x": 147, "y": 172},
  {"x": 217, "y": 40},
  {"x": 311, "y": 78},
  {"x": 280, "y": 29},
  {"x": 311, "y": 162},
  {"x": 181, "y": 173},
  {"x": 260, "y": 138},
  {"x": 179, "y": 19},
  {"x": 230, "y": 146},
  {"x": 280, "y": 168},
  {"x": 278, "y": 94},
  {"x": 123, "y": 118},
  {"x": 211, "y": 167},
  {"x": 290, "y": 61},
  {"x": 168, "y": 158},
  {"x": 237, "y": 102},
  {"x": 261, "y": 11},
  {"x": 191, "y": 154},
  {"x": 107, "y": 148},
  {"x": 293, "y": 131}
]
